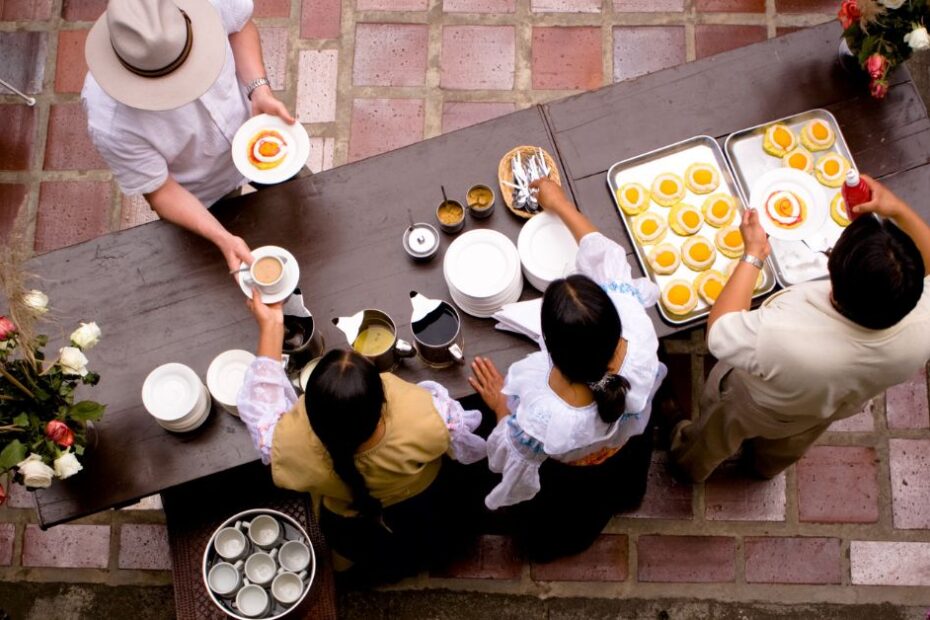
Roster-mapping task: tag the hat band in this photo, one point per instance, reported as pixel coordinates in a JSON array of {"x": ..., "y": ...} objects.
[{"x": 177, "y": 62}]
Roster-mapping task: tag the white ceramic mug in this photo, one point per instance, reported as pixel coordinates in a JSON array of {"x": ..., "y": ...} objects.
[
  {"x": 261, "y": 567},
  {"x": 264, "y": 531},
  {"x": 287, "y": 587},
  {"x": 294, "y": 556},
  {"x": 231, "y": 544},
  {"x": 225, "y": 578},
  {"x": 270, "y": 286},
  {"x": 253, "y": 601}
]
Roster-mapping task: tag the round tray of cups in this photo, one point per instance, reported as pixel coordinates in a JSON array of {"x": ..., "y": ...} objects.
[{"x": 259, "y": 564}]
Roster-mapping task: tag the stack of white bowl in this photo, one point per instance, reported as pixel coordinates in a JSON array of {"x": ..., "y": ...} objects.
[
  {"x": 176, "y": 397},
  {"x": 547, "y": 250},
  {"x": 482, "y": 271}
]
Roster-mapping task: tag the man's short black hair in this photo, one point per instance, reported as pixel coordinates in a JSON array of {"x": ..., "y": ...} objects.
[{"x": 877, "y": 273}]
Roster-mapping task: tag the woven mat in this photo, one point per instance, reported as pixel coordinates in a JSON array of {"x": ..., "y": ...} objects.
[{"x": 195, "y": 510}]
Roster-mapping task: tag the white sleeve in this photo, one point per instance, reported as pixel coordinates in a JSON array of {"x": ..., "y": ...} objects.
[
  {"x": 235, "y": 14},
  {"x": 733, "y": 339},
  {"x": 265, "y": 395},
  {"x": 605, "y": 262},
  {"x": 464, "y": 445},
  {"x": 517, "y": 456},
  {"x": 137, "y": 166}
]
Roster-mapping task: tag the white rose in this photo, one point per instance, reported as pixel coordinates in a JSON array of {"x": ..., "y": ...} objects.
[
  {"x": 85, "y": 336},
  {"x": 35, "y": 473},
  {"x": 891, "y": 4},
  {"x": 918, "y": 39},
  {"x": 72, "y": 361},
  {"x": 37, "y": 301},
  {"x": 67, "y": 465}
]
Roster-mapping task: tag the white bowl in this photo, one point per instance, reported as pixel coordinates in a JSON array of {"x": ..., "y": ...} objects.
[{"x": 171, "y": 393}]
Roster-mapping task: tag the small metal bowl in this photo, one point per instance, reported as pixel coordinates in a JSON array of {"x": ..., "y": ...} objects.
[
  {"x": 451, "y": 208},
  {"x": 421, "y": 241},
  {"x": 479, "y": 211}
]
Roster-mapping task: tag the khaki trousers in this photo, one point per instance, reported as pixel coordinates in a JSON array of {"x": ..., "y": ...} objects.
[{"x": 729, "y": 417}]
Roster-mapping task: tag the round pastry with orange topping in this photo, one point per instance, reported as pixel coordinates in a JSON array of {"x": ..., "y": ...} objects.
[
  {"x": 685, "y": 219},
  {"x": 668, "y": 189},
  {"x": 633, "y": 198},
  {"x": 730, "y": 242},
  {"x": 678, "y": 297},
  {"x": 702, "y": 178},
  {"x": 709, "y": 284},
  {"x": 838, "y": 210},
  {"x": 799, "y": 159},
  {"x": 719, "y": 209},
  {"x": 817, "y": 135},
  {"x": 778, "y": 140},
  {"x": 831, "y": 169},
  {"x": 649, "y": 228},
  {"x": 698, "y": 253},
  {"x": 664, "y": 259},
  {"x": 267, "y": 149}
]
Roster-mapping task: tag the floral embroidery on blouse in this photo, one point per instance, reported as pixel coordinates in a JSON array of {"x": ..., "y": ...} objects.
[{"x": 623, "y": 287}]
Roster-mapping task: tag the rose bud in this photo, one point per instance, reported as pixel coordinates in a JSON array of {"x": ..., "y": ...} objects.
[
  {"x": 58, "y": 431},
  {"x": 877, "y": 66},
  {"x": 849, "y": 13},
  {"x": 7, "y": 328},
  {"x": 878, "y": 88},
  {"x": 2, "y": 495}
]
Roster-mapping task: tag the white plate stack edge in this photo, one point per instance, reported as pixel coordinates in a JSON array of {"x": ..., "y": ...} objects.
[{"x": 482, "y": 271}]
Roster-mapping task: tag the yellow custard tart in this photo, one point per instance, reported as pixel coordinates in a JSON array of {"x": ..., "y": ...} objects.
[
  {"x": 633, "y": 198},
  {"x": 649, "y": 228},
  {"x": 664, "y": 259},
  {"x": 838, "y": 210},
  {"x": 679, "y": 297},
  {"x": 698, "y": 253},
  {"x": 799, "y": 159},
  {"x": 831, "y": 169},
  {"x": 702, "y": 178},
  {"x": 685, "y": 219},
  {"x": 667, "y": 189},
  {"x": 719, "y": 209},
  {"x": 709, "y": 284},
  {"x": 778, "y": 140},
  {"x": 730, "y": 242},
  {"x": 817, "y": 135}
]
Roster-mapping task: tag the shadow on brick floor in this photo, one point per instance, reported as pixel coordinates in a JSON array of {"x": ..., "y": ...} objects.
[{"x": 61, "y": 601}]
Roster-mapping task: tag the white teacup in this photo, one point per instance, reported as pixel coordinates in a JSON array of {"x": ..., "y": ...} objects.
[
  {"x": 264, "y": 531},
  {"x": 260, "y": 568},
  {"x": 287, "y": 587},
  {"x": 253, "y": 601},
  {"x": 231, "y": 544},
  {"x": 225, "y": 578},
  {"x": 267, "y": 273},
  {"x": 294, "y": 556}
]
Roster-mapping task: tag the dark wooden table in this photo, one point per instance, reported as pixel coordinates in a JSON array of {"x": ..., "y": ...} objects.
[
  {"x": 162, "y": 295},
  {"x": 735, "y": 90}
]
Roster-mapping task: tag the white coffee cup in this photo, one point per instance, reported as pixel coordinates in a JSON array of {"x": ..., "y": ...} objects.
[
  {"x": 287, "y": 587},
  {"x": 264, "y": 531},
  {"x": 260, "y": 568},
  {"x": 294, "y": 556},
  {"x": 253, "y": 601},
  {"x": 231, "y": 544},
  {"x": 258, "y": 273},
  {"x": 225, "y": 578}
]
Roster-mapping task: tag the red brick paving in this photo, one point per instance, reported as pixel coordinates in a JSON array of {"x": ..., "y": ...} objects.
[
  {"x": 793, "y": 560},
  {"x": 321, "y": 19},
  {"x": 731, "y": 6},
  {"x": 647, "y": 6},
  {"x": 838, "y": 484},
  {"x": 392, "y": 5},
  {"x": 492, "y": 557},
  {"x": 82, "y": 10},
  {"x": 459, "y": 114},
  {"x": 390, "y": 54},
  {"x": 317, "y": 85},
  {"x": 17, "y": 126},
  {"x": 19, "y": 497},
  {"x": 830, "y": 7},
  {"x": 135, "y": 210},
  {"x": 25, "y": 9},
  {"x": 863, "y": 421},
  {"x": 566, "y": 6},
  {"x": 732, "y": 495},
  {"x": 271, "y": 8},
  {"x": 694, "y": 559},
  {"x": 906, "y": 404},
  {"x": 890, "y": 563},
  {"x": 910, "y": 485},
  {"x": 12, "y": 197},
  {"x": 666, "y": 497},
  {"x": 71, "y": 212},
  {"x": 67, "y": 546},
  {"x": 568, "y": 58},
  {"x": 71, "y": 66},
  {"x": 713, "y": 39},
  {"x": 478, "y": 57},
  {"x": 479, "y": 6},
  {"x": 380, "y": 125},
  {"x": 69, "y": 146},
  {"x": 7, "y": 537},
  {"x": 274, "y": 50},
  {"x": 144, "y": 546},
  {"x": 606, "y": 560},
  {"x": 639, "y": 50}
]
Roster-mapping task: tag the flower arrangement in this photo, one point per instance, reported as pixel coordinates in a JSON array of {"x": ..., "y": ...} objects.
[{"x": 882, "y": 34}]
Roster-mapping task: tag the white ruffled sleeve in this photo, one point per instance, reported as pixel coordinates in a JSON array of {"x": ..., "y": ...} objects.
[
  {"x": 464, "y": 445},
  {"x": 265, "y": 395},
  {"x": 516, "y": 456},
  {"x": 605, "y": 262}
]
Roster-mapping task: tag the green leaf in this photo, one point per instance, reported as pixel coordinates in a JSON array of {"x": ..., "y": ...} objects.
[
  {"x": 86, "y": 410},
  {"x": 13, "y": 453},
  {"x": 21, "y": 420},
  {"x": 78, "y": 449},
  {"x": 91, "y": 378}
]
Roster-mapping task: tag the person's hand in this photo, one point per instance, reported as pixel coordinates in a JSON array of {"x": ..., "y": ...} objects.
[
  {"x": 551, "y": 197},
  {"x": 884, "y": 202},
  {"x": 488, "y": 382},
  {"x": 755, "y": 240},
  {"x": 236, "y": 252},
  {"x": 264, "y": 102},
  {"x": 268, "y": 316}
]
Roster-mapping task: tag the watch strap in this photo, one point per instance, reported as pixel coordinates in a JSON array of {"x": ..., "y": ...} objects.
[
  {"x": 752, "y": 260},
  {"x": 251, "y": 86}
]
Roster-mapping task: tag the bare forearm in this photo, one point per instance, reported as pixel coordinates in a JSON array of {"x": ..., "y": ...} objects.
[
  {"x": 737, "y": 294},
  {"x": 575, "y": 220},
  {"x": 916, "y": 228},
  {"x": 177, "y": 205},
  {"x": 270, "y": 340},
  {"x": 247, "y": 51}
]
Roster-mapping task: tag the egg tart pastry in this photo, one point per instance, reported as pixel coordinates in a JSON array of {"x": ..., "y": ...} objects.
[
  {"x": 838, "y": 210},
  {"x": 685, "y": 219},
  {"x": 730, "y": 242},
  {"x": 664, "y": 259},
  {"x": 799, "y": 159},
  {"x": 633, "y": 198},
  {"x": 698, "y": 253},
  {"x": 831, "y": 169},
  {"x": 719, "y": 209},
  {"x": 817, "y": 135},
  {"x": 702, "y": 178},
  {"x": 679, "y": 298},
  {"x": 668, "y": 189},
  {"x": 778, "y": 140},
  {"x": 649, "y": 228},
  {"x": 709, "y": 284}
]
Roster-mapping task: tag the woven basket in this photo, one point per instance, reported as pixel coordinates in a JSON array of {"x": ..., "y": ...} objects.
[{"x": 505, "y": 173}]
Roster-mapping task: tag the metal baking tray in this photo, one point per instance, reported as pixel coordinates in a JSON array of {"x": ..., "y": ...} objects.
[
  {"x": 676, "y": 158},
  {"x": 794, "y": 261}
]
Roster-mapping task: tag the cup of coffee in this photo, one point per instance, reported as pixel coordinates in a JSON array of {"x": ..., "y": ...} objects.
[
  {"x": 294, "y": 556},
  {"x": 374, "y": 335},
  {"x": 225, "y": 578},
  {"x": 231, "y": 544},
  {"x": 261, "y": 567},
  {"x": 438, "y": 337},
  {"x": 253, "y": 601},
  {"x": 287, "y": 587}
]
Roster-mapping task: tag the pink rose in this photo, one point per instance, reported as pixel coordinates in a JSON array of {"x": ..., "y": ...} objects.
[
  {"x": 877, "y": 66},
  {"x": 58, "y": 431},
  {"x": 7, "y": 329},
  {"x": 2, "y": 495},
  {"x": 878, "y": 88},
  {"x": 849, "y": 13}
]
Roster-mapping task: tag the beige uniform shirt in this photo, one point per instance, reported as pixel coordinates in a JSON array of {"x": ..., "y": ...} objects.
[{"x": 807, "y": 360}]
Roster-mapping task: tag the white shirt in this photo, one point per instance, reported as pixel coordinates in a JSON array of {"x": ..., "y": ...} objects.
[
  {"x": 541, "y": 425},
  {"x": 805, "y": 360},
  {"x": 192, "y": 143}
]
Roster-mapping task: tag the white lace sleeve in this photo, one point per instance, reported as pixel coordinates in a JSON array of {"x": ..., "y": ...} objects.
[
  {"x": 517, "y": 456},
  {"x": 605, "y": 262},
  {"x": 264, "y": 397},
  {"x": 464, "y": 445}
]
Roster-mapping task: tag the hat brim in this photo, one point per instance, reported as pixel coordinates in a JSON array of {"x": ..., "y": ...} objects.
[{"x": 183, "y": 85}]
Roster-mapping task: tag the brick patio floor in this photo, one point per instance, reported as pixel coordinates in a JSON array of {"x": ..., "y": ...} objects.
[{"x": 848, "y": 524}]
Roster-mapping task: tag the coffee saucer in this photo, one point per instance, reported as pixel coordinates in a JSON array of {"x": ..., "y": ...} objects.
[{"x": 287, "y": 284}]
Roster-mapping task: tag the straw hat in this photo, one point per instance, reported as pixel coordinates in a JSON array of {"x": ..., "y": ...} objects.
[{"x": 156, "y": 54}]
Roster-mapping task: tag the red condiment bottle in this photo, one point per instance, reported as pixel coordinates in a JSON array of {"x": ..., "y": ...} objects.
[{"x": 855, "y": 192}]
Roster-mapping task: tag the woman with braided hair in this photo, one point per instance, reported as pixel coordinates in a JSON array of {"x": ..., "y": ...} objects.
[{"x": 573, "y": 442}]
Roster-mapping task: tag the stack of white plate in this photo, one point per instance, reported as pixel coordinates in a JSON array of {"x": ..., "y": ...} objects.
[
  {"x": 174, "y": 395},
  {"x": 547, "y": 250},
  {"x": 226, "y": 375},
  {"x": 482, "y": 271}
]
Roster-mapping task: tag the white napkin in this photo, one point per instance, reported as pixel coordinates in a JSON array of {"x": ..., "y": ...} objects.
[{"x": 522, "y": 317}]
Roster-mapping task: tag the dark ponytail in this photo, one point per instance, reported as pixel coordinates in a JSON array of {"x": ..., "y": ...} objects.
[
  {"x": 344, "y": 399},
  {"x": 582, "y": 329}
]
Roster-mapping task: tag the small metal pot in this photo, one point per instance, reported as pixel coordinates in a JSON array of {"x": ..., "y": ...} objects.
[
  {"x": 306, "y": 342},
  {"x": 444, "y": 351},
  {"x": 356, "y": 324}
]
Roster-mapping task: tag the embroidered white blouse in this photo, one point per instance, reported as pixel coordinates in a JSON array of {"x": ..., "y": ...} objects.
[
  {"x": 266, "y": 394},
  {"x": 541, "y": 425}
]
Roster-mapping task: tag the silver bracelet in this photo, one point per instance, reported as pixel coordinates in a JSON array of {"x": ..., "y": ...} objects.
[
  {"x": 250, "y": 88},
  {"x": 752, "y": 260}
]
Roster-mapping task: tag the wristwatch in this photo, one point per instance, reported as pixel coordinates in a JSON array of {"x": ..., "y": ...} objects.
[
  {"x": 752, "y": 260},
  {"x": 251, "y": 86}
]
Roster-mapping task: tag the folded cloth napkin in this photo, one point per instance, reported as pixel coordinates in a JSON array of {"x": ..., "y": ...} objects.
[{"x": 522, "y": 317}]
